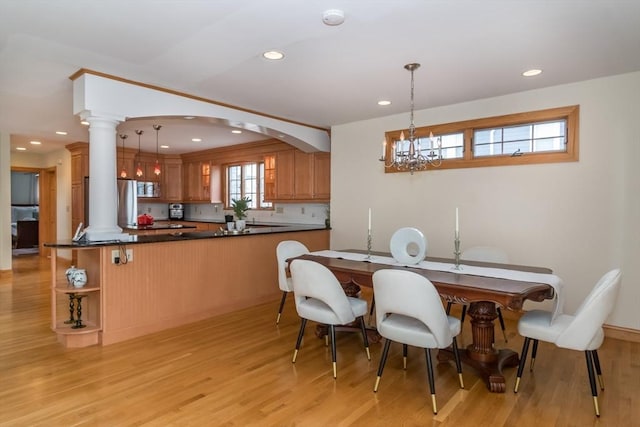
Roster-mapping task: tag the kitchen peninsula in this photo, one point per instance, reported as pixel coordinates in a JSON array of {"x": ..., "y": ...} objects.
[{"x": 169, "y": 280}]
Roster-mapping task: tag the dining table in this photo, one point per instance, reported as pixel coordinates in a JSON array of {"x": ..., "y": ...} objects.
[{"x": 481, "y": 285}]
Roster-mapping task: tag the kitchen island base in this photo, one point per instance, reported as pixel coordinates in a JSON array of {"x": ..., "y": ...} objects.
[{"x": 171, "y": 283}]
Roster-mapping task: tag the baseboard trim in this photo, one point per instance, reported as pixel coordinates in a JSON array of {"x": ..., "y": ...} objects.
[{"x": 619, "y": 333}]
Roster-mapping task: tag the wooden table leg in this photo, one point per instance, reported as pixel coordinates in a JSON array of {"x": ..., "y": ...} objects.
[{"x": 481, "y": 354}]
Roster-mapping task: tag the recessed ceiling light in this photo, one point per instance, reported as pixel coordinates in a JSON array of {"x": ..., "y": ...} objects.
[
  {"x": 532, "y": 72},
  {"x": 35, "y": 142},
  {"x": 21, "y": 149},
  {"x": 196, "y": 139},
  {"x": 236, "y": 131},
  {"x": 273, "y": 55},
  {"x": 60, "y": 132},
  {"x": 384, "y": 102},
  {"x": 189, "y": 117},
  {"x": 164, "y": 146},
  {"x": 84, "y": 122}
]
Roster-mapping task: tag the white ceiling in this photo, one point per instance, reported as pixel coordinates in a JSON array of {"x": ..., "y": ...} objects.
[{"x": 469, "y": 49}]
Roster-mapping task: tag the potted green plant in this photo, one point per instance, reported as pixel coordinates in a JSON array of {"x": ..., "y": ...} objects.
[{"x": 240, "y": 208}]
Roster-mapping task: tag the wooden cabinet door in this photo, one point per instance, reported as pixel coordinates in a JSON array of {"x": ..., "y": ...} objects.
[
  {"x": 216, "y": 183},
  {"x": 303, "y": 175},
  {"x": 172, "y": 182},
  {"x": 191, "y": 186},
  {"x": 322, "y": 176},
  {"x": 270, "y": 177},
  {"x": 285, "y": 175}
]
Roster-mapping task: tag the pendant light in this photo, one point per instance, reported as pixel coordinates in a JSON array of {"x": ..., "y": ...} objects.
[
  {"x": 123, "y": 172},
  {"x": 156, "y": 168},
  {"x": 139, "y": 172}
]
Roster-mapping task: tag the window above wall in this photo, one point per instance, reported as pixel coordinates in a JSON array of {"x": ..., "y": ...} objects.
[{"x": 544, "y": 136}]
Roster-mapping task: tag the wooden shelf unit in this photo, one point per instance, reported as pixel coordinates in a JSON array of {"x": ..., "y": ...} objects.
[{"x": 89, "y": 259}]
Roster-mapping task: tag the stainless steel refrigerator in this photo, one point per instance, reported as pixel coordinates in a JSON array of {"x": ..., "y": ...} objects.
[{"x": 127, "y": 203}]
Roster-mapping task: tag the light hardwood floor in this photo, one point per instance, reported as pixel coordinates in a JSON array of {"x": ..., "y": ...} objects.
[{"x": 236, "y": 370}]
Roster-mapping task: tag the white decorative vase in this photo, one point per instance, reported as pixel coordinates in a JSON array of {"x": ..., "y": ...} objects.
[
  {"x": 240, "y": 224},
  {"x": 69, "y": 273},
  {"x": 79, "y": 278}
]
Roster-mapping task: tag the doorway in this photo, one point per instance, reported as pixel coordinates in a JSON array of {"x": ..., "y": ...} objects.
[{"x": 47, "y": 206}]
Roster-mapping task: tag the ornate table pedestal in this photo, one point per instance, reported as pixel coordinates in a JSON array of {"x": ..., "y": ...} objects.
[{"x": 481, "y": 355}]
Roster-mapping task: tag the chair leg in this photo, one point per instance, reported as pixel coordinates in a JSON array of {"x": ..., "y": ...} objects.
[
  {"x": 596, "y": 363},
  {"x": 464, "y": 313},
  {"x": 383, "y": 360},
  {"x": 432, "y": 384},
  {"x": 404, "y": 356},
  {"x": 523, "y": 359},
  {"x": 534, "y": 353},
  {"x": 284, "y": 297},
  {"x": 458, "y": 364},
  {"x": 364, "y": 337},
  {"x": 501, "y": 319},
  {"x": 448, "y": 308},
  {"x": 373, "y": 306},
  {"x": 332, "y": 332},
  {"x": 303, "y": 323},
  {"x": 592, "y": 380}
]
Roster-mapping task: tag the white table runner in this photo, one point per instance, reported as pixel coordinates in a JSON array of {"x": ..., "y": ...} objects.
[{"x": 499, "y": 273}]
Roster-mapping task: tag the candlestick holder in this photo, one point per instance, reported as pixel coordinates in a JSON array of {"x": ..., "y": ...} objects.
[
  {"x": 368, "y": 245},
  {"x": 456, "y": 252}
]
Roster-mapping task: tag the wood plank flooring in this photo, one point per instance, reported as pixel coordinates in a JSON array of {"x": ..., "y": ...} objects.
[{"x": 236, "y": 370}]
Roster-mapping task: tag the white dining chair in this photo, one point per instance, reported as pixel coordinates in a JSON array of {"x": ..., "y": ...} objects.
[
  {"x": 409, "y": 311},
  {"x": 285, "y": 250},
  {"x": 484, "y": 254},
  {"x": 581, "y": 331},
  {"x": 320, "y": 298}
]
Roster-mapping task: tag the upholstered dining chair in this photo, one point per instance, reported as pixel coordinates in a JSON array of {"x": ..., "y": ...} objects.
[
  {"x": 285, "y": 250},
  {"x": 581, "y": 331},
  {"x": 409, "y": 311},
  {"x": 484, "y": 254},
  {"x": 320, "y": 298}
]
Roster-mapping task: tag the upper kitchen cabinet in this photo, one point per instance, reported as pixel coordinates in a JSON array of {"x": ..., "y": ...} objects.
[
  {"x": 197, "y": 181},
  {"x": 172, "y": 179},
  {"x": 322, "y": 176},
  {"x": 295, "y": 176}
]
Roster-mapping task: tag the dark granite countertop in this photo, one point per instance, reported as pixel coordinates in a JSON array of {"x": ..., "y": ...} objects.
[
  {"x": 160, "y": 226},
  {"x": 180, "y": 235}
]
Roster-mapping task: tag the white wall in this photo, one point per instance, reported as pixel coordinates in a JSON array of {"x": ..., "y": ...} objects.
[{"x": 579, "y": 218}]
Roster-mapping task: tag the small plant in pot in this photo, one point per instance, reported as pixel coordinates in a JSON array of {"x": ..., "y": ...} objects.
[{"x": 240, "y": 208}]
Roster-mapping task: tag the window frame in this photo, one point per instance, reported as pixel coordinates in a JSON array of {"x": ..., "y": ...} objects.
[
  {"x": 259, "y": 183},
  {"x": 467, "y": 128}
]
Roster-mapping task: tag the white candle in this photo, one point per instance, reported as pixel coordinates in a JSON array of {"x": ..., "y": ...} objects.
[
  {"x": 384, "y": 149},
  {"x": 369, "y": 228},
  {"x": 457, "y": 224}
]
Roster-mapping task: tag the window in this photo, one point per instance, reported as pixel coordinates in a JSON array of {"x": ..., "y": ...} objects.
[
  {"x": 544, "y": 136},
  {"x": 246, "y": 180}
]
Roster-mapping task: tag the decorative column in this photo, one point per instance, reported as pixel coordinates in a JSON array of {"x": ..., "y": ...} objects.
[{"x": 103, "y": 190}]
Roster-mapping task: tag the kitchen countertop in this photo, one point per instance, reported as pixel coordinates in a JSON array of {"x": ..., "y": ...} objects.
[
  {"x": 161, "y": 225},
  {"x": 180, "y": 235}
]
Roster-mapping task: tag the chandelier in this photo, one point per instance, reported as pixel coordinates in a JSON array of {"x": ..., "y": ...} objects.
[
  {"x": 412, "y": 155},
  {"x": 123, "y": 172},
  {"x": 156, "y": 167},
  {"x": 139, "y": 172}
]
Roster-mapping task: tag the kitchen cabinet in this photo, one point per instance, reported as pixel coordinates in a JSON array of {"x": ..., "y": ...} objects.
[
  {"x": 197, "y": 181},
  {"x": 322, "y": 176},
  {"x": 172, "y": 180},
  {"x": 73, "y": 307},
  {"x": 285, "y": 175},
  {"x": 293, "y": 175}
]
